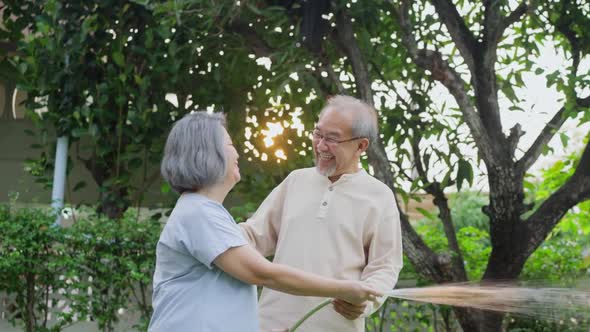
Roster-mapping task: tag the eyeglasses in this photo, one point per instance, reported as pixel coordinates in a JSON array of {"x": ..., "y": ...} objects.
[{"x": 329, "y": 140}]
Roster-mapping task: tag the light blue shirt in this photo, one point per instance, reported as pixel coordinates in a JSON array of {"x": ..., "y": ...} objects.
[{"x": 190, "y": 293}]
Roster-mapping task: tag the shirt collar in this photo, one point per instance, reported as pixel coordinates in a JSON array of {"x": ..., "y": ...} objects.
[
  {"x": 344, "y": 178},
  {"x": 350, "y": 176}
]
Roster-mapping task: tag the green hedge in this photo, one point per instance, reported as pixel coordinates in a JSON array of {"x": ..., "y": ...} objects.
[{"x": 98, "y": 265}]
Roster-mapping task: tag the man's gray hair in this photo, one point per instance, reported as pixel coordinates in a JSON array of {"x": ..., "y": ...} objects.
[
  {"x": 194, "y": 155},
  {"x": 365, "y": 122}
]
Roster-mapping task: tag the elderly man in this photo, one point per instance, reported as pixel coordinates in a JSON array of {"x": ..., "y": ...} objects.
[{"x": 334, "y": 220}]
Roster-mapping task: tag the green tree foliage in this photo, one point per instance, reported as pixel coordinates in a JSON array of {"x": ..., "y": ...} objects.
[{"x": 103, "y": 69}]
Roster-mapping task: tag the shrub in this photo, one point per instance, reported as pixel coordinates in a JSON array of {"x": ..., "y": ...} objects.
[
  {"x": 476, "y": 248},
  {"x": 98, "y": 265},
  {"x": 116, "y": 261},
  {"x": 32, "y": 258}
]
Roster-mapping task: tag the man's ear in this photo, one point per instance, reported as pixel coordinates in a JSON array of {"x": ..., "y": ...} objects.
[{"x": 363, "y": 145}]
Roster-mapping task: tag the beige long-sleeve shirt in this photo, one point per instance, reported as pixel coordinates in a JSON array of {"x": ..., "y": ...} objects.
[{"x": 348, "y": 229}]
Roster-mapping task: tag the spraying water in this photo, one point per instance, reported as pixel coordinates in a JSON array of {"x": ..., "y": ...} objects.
[
  {"x": 549, "y": 304},
  {"x": 540, "y": 303}
]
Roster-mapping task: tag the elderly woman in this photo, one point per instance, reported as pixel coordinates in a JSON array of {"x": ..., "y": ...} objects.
[{"x": 205, "y": 269}]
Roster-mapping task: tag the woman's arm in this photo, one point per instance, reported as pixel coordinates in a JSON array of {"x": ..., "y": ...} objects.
[{"x": 246, "y": 264}]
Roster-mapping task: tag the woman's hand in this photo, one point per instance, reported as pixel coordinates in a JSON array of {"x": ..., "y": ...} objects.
[{"x": 357, "y": 293}]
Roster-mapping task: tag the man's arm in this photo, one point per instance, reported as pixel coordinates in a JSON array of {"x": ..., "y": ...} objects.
[
  {"x": 385, "y": 259},
  {"x": 262, "y": 229},
  {"x": 384, "y": 262}
]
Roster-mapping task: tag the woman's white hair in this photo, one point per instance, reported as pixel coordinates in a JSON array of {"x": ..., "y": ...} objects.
[{"x": 194, "y": 155}]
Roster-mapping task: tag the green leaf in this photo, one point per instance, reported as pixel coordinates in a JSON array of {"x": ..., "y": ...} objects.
[
  {"x": 464, "y": 172},
  {"x": 405, "y": 196},
  {"x": 138, "y": 79},
  {"x": 528, "y": 185},
  {"x": 426, "y": 213},
  {"x": 165, "y": 188},
  {"x": 119, "y": 59},
  {"x": 564, "y": 139},
  {"x": 546, "y": 150},
  {"x": 253, "y": 8}
]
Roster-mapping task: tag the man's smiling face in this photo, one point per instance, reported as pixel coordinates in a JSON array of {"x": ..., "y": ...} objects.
[{"x": 336, "y": 151}]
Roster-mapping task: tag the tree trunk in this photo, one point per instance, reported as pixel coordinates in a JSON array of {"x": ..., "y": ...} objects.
[
  {"x": 508, "y": 232},
  {"x": 113, "y": 198},
  {"x": 509, "y": 239},
  {"x": 477, "y": 320},
  {"x": 113, "y": 203}
]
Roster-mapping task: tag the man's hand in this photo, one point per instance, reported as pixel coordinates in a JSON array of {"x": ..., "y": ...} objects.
[
  {"x": 357, "y": 292},
  {"x": 348, "y": 310}
]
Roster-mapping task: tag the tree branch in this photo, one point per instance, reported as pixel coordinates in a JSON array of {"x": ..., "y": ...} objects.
[
  {"x": 349, "y": 45},
  {"x": 434, "y": 188},
  {"x": 434, "y": 267},
  {"x": 323, "y": 84},
  {"x": 460, "y": 33},
  {"x": 574, "y": 191},
  {"x": 551, "y": 128},
  {"x": 334, "y": 78},
  {"x": 563, "y": 25},
  {"x": 495, "y": 24},
  {"x": 522, "y": 9},
  {"x": 516, "y": 133},
  {"x": 441, "y": 71},
  {"x": 257, "y": 44},
  {"x": 382, "y": 77},
  {"x": 484, "y": 81}
]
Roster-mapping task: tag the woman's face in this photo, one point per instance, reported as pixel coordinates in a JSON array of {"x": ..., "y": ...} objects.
[{"x": 232, "y": 174}]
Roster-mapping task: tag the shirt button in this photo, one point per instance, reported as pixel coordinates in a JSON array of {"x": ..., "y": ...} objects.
[
  {"x": 325, "y": 203},
  {"x": 331, "y": 188}
]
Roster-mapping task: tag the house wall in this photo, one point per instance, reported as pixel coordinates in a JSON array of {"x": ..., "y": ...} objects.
[{"x": 15, "y": 149}]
